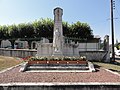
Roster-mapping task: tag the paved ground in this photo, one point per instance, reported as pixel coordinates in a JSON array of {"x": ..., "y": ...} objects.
[{"x": 101, "y": 75}]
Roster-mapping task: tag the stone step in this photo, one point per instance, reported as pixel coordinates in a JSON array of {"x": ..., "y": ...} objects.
[
  {"x": 57, "y": 68},
  {"x": 63, "y": 65}
]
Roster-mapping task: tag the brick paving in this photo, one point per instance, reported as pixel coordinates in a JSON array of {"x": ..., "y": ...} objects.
[{"x": 101, "y": 75}]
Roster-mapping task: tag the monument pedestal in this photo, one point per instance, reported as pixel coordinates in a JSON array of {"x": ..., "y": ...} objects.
[{"x": 57, "y": 54}]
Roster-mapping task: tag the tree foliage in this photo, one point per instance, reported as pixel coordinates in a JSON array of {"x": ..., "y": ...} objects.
[
  {"x": 4, "y": 34},
  {"x": 13, "y": 31},
  {"x": 81, "y": 30},
  {"x": 44, "y": 28}
]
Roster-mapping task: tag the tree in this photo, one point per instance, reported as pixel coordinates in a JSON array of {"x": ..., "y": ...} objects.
[
  {"x": 13, "y": 34},
  {"x": 47, "y": 27},
  {"x": 44, "y": 28},
  {"x": 13, "y": 31},
  {"x": 117, "y": 46},
  {"x": 1, "y": 35},
  {"x": 66, "y": 29},
  {"x": 4, "y": 32},
  {"x": 37, "y": 28},
  {"x": 26, "y": 32},
  {"x": 81, "y": 30}
]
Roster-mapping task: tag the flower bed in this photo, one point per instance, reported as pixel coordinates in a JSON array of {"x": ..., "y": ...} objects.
[{"x": 56, "y": 60}]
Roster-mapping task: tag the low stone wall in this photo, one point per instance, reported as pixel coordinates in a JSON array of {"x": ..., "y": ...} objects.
[
  {"x": 18, "y": 52},
  {"x": 95, "y": 55},
  {"x": 90, "y": 55}
]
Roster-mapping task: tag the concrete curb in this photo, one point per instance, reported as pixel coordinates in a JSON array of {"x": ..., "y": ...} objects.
[
  {"x": 58, "y": 84},
  {"x": 60, "y": 71},
  {"x": 10, "y": 68},
  {"x": 112, "y": 72}
]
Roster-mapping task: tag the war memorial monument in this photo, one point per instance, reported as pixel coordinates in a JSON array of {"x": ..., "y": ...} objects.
[
  {"x": 58, "y": 47},
  {"x": 58, "y": 66},
  {"x": 58, "y": 55}
]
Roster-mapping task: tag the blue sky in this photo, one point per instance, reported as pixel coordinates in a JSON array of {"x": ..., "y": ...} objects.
[{"x": 94, "y": 12}]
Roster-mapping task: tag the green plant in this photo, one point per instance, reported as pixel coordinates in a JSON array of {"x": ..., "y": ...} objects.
[{"x": 57, "y": 58}]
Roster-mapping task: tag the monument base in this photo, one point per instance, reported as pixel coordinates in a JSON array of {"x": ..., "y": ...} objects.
[{"x": 57, "y": 54}]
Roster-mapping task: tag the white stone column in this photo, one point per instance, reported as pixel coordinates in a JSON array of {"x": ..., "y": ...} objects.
[{"x": 58, "y": 32}]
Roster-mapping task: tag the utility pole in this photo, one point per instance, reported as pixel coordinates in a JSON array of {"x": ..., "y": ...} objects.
[{"x": 112, "y": 30}]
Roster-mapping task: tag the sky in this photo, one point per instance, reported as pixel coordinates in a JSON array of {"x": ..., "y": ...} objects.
[{"x": 94, "y": 12}]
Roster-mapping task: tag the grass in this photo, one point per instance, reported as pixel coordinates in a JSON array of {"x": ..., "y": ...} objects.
[
  {"x": 7, "y": 62},
  {"x": 113, "y": 67}
]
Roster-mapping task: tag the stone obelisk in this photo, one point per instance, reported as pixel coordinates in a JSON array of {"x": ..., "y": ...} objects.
[{"x": 58, "y": 32}]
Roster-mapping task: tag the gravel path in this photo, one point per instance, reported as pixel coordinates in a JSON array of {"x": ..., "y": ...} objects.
[{"x": 13, "y": 75}]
